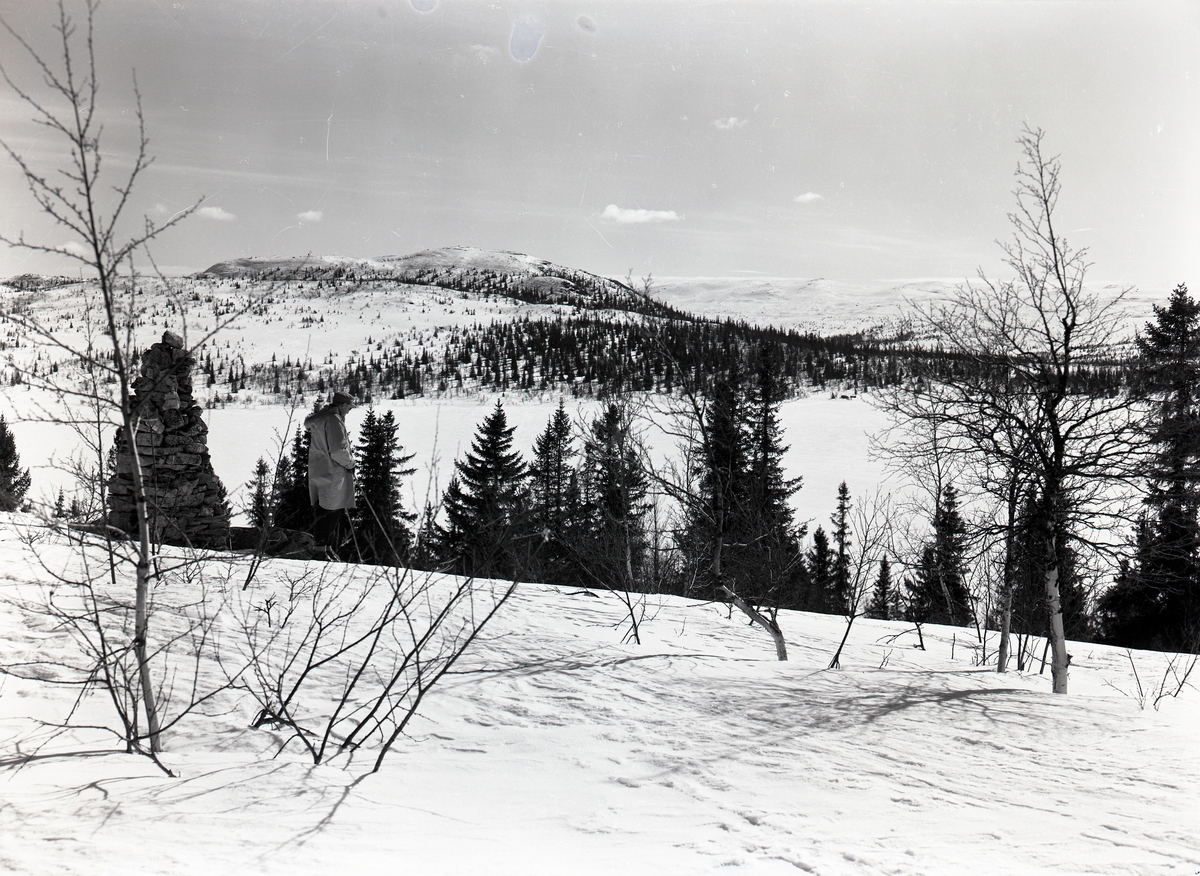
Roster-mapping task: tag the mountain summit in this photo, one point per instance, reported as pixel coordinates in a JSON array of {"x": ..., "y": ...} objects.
[{"x": 460, "y": 268}]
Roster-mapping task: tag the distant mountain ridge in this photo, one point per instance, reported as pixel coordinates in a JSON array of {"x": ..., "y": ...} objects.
[{"x": 457, "y": 268}]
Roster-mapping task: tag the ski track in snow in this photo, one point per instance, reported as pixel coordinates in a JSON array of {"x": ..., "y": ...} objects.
[{"x": 555, "y": 748}]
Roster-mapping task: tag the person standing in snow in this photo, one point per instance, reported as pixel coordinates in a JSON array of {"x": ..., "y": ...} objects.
[{"x": 330, "y": 472}]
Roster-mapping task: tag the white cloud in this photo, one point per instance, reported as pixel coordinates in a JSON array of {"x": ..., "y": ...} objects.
[
  {"x": 625, "y": 216},
  {"x": 74, "y": 247},
  {"x": 216, "y": 213},
  {"x": 731, "y": 123},
  {"x": 309, "y": 216},
  {"x": 808, "y": 198}
]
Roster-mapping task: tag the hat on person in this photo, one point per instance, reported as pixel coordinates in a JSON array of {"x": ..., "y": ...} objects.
[{"x": 340, "y": 398}]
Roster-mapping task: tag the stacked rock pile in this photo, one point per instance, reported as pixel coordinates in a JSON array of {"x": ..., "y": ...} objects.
[{"x": 185, "y": 497}]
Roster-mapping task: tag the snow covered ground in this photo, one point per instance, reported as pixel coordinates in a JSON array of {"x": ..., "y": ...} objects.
[{"x": 554, "y": 748}]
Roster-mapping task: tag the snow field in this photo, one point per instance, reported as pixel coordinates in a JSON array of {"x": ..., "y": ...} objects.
[
  {"x": 555, "y": 748},
  {"x": 828, "y": 441}
]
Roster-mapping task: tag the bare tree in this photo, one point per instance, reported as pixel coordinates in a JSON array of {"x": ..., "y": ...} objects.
[
  {"x": 342, "y": 657},
  {"x": 871, "y": 524},
  {"x": 84, "y": 200},
  {"x": 1015, "y": 408}
]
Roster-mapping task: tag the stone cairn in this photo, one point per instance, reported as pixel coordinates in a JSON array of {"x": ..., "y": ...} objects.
[{"x": 183, "y": 493}]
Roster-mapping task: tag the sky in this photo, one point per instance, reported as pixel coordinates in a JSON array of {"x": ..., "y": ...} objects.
[{"x": 845, "y": 140}]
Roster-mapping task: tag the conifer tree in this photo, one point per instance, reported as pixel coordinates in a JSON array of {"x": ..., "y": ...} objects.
[
  {"x": 883, "y": 601},
  {"x": 14, "y": 481},
  {"x": 260, "y": 510},
  {"x": 294, "y": 509},
  {"x": 712, "y": 517},
  {"x": 484, "y": 504},
  {"x": 1030, "y": 614},
  {"x": 937, "y": 591},
  {"x": 820, "y": 573},
  {"x": 423, "y": 554},
  {"x": 554, "y": 508},
  {"x": 614, "y": 486},
  {"x": 772, "y": 540},
  {"x": 380, "y": 522},
  {"x": 839, "y": 578},
  {"x": 1156, "y": 601}
]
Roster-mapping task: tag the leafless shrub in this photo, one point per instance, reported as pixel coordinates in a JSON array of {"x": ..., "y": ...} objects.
[{"x": 342, "y": 657}]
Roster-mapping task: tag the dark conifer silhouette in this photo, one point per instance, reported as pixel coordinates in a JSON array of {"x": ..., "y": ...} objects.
[
  {"x": 612, "y": 543},
  {"x": 14, "y": 480},
  {"x": 484, "y": 505},
  {"x": 839, "y": 597},
  {"x": 938, "y": 591},
  {"x": 261, "y": 507},
  {"x": 1155, "y": 602},
  {"x": 381, "y": 533},
  {"x": 820, "y": 573},
  {"x": 720, "y": 465},
  {"x": 771, "y": 537},
  {"x": 883, "y": 600},
  {"x": 555, "y": 505},
  {"x": 293, "y": 508}
]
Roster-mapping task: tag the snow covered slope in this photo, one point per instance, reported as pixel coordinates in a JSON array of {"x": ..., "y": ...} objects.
[{"x": 554, "y": 748}]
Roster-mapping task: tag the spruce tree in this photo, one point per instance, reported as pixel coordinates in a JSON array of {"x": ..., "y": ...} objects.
[
  {"x": 554, "y": 507},
  {"x": 423, "y": 553},
  {"x": 614, "y": 484},
  {"x": 1155, "y": 603},
  {"x": 839, "y": 579},
  {"x": 484, "y": 505},
  {"x": 294, "y": 509},
  {"x": 883, "y": 602},
  {"x": 772, "y": 540},
  {"x": 260, "y": 509},
  {"x": 712, "y": 518},
  {"x": 938, "y": 591},
  {"x": 380, "y": 522},
  {"x": 14, "y": 481},
  {"x": 820, "y": 573}
]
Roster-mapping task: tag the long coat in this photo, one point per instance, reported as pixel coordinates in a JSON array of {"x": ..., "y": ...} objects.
[{"x": 330, "y": 460}]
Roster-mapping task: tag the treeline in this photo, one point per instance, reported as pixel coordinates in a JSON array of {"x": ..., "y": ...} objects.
[
  {"x": 597, "y": 355},
  {"x": 588, "y": 509}
]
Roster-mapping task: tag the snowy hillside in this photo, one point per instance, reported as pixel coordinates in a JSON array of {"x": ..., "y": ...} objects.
[{"x": 554, "y": 748}]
